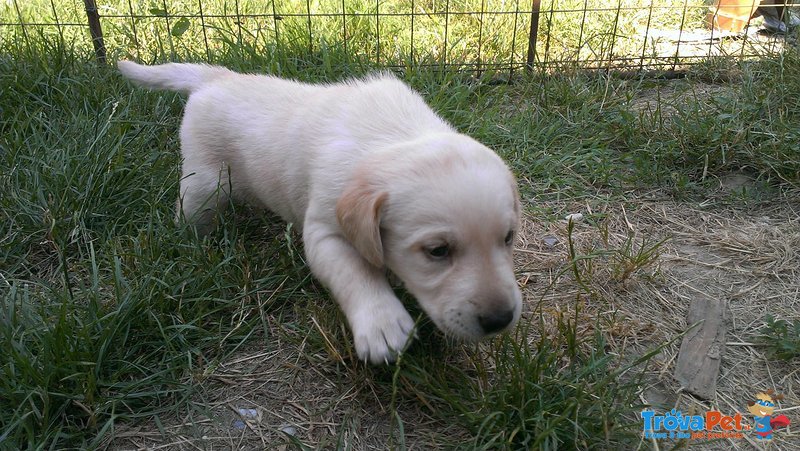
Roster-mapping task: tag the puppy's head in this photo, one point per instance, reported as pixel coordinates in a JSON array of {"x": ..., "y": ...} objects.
[{"x": 442, "y": 214}]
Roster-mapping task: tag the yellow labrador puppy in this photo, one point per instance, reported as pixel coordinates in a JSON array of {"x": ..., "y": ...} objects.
[{"x": 375, "y": 179}]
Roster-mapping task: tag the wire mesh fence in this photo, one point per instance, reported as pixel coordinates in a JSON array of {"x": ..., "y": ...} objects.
[{"x": 463, "y": 34}]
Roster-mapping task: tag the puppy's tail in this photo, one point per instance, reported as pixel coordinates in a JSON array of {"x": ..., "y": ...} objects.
[{"x": 172, "y": 76}]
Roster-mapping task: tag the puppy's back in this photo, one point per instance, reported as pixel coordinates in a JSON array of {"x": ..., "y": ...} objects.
[{"x": 382, "y": 108}]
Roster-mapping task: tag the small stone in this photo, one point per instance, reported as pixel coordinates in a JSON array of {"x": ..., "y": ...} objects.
[
  {"x": 248, "y": 413},
  {"x": 574, "y": 217},
  {"x": 550, "y": 240},
  {"x": 289, "y": 430}
]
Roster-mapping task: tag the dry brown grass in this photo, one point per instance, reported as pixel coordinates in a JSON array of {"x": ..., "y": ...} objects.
[{"x": 747, "y": 257}]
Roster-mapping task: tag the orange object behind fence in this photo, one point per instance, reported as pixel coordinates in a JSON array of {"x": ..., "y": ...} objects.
[{"x": 731, "y": 15}]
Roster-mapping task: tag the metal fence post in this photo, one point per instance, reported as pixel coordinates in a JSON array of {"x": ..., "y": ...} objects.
[
  {"x": 537, "y": 4},
  {"x": 95, "y": 30}
]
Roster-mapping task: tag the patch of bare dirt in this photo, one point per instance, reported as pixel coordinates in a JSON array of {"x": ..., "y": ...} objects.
[
  {"x": 748, "y": 258},
  {"x": 283, "y": 393}
]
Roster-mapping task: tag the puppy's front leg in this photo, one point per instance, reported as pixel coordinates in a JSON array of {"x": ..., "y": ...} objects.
[{"x": 380, "y": 324}]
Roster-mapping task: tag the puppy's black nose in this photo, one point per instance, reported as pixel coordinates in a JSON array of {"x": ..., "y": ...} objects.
[{"x": 495, "y": 321}]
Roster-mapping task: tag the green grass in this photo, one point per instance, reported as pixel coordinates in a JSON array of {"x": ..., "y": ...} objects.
[
  {"x": 112, "y": 313},
  {"x": 107, "y": 306},
  {"x": 385, "y": 32},
  {"x": 560, "y": 390},
  {"x": 781, "y": 338}
]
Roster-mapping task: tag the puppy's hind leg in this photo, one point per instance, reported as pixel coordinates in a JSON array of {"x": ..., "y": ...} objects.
[{"x": 204, "y": 192}]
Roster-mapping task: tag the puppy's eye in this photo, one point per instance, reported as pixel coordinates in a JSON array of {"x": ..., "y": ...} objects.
[
  {"x": 439, "y": 252},
  {"x": 509, "y": 238}
]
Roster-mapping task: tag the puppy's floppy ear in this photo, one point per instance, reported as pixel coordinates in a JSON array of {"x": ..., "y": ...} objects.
[
  {"x": 359, "y": 214},
  {"x": 515, "y": 189}
]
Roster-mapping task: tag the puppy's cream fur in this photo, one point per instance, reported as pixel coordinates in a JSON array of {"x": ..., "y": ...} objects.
[{"x": 375, "y": 179}]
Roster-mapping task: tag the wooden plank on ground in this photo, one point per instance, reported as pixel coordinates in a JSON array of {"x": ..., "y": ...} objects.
[{"x": 701, "y": 350}]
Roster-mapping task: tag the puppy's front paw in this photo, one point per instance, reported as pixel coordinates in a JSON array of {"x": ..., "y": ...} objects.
[{"x": 379, "y": 337}]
